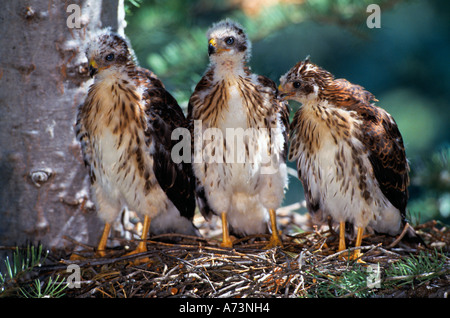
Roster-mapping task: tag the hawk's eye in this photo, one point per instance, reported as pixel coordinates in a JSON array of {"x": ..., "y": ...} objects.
[
  {"x": 229, "y": 40},
  {"x": 296, "y": 84},
  {"x": 109, "y": 57}
]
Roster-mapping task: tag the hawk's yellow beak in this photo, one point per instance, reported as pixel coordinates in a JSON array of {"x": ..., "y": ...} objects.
[
  {"x": 212, "y": 42},
  {"x": 284, "y": 95},
  {"x": 93, "y": 68},
  {"x": 212, "y": 46}
]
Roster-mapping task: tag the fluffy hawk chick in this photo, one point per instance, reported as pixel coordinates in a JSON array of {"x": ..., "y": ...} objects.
[
  {"x": 125, "y": 127},
  {"x": 240, "y": 139},
  {"x": 349, "y": 153}
]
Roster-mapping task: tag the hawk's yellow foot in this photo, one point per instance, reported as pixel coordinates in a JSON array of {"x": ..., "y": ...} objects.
[
  {"x": 357, "y": 253},
  {"x": 101, "y": 247},
  {"x": 226, "y": 240},
  {"x": 341, "y": 237},
  {"x": 142, "y": 246},
  {"x": 275, "y": 239}
]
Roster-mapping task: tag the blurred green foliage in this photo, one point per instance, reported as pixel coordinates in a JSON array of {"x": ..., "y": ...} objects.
[
  {"x": 404, "y": 63},
  {"x": 431, "y": 186}
]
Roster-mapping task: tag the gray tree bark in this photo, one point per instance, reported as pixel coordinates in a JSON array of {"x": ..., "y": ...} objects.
[{"x": 44, "y": 189}]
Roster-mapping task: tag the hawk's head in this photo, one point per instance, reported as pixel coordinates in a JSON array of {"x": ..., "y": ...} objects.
[
  {"x": 304, "y": 82},
  {"x": 108, "y": 51},
  {"x": 228, "y": 41}
]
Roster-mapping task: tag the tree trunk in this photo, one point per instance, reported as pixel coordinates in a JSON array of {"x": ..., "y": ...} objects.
[{"x": 44, "y": 189}]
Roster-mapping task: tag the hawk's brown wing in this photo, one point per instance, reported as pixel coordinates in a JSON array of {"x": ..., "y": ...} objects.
[
  {"x": 280, "y": 107},
  {"x": 381, "y": 136},
  {"x": 83, "y": 137},
  {"x": 346, "y": 94},
  {"x": 202, "y": 201},
  {"x": 164, "y": 115}
]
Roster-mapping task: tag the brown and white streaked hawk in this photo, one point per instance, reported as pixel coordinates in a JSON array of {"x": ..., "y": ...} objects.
[
  {"x": 349, "y": 152},
  {"x": 125, "y": 127},
  {"x": 241, "y": 182}
]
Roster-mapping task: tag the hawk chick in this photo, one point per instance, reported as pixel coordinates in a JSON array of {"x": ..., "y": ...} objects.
[
  {"x": 349, "y": 152},
  {"x": 125, "y": 127},
  {"x": 243, "y": 125}
]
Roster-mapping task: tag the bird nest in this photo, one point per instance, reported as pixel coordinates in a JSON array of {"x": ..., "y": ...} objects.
[{"x": 308, "y": 265}]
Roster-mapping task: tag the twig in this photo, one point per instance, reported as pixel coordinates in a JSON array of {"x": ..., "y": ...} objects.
[
  {"x": 399, "y": 238},
  {"x": 351, "y": 249}
]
